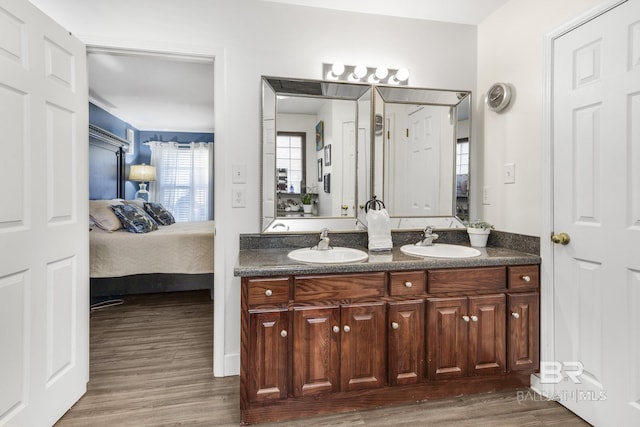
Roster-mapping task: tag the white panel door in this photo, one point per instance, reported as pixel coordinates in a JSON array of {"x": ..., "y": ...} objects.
[
  {"x": 44, "y": 279},
  {"x": 423, "y": 163},
  {"x": 596, "y": 167}
]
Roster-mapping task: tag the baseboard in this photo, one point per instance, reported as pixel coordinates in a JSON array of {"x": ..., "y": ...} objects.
[{"x": 231, "y": 364}]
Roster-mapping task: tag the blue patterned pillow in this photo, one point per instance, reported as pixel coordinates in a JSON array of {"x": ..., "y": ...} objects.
[
  {"x": 134, "y": 219},
  {"x": 159, "y": 213}
]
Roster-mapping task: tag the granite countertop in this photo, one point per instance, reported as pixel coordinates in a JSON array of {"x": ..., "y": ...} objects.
[{"x": 274, "y": 262}]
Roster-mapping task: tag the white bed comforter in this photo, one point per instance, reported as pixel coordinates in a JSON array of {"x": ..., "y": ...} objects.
[{"x": 183, "y": 247}]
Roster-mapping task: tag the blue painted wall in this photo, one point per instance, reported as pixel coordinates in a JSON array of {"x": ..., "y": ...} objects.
[{"x": 102, "y": 165}]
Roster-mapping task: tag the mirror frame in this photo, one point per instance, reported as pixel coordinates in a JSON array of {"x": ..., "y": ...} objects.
[
  {"x": 296, "y": 87},
  {"x": 306, "y": 88},
  {"x": 383, "y": 94}
]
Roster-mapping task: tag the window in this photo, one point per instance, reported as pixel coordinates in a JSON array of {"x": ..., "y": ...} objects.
[
  {"x": 462, "y": 157},
  {"x": 183, "y": 179},
  {"x": 290, "y": 161}
]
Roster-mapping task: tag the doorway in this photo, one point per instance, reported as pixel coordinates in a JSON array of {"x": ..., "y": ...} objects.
[{"x": 155, "y": 95}]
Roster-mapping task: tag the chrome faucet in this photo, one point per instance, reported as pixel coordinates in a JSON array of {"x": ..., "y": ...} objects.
[
  {"x": 323, "y": 244},
  {"x": 428, "y": 236}
]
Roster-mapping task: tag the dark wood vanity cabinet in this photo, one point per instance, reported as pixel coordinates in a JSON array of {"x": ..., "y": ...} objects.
[
  {"x": 338, "y": 348},
  {"x": 466, "y": 336},
  {"x": 406, "y": 341},
  {"x": 267, "y": 377},
  {"x": 333, "y": 342}
]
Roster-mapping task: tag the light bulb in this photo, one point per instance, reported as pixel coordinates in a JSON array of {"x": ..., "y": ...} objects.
[
  {"x": 337, "y": 69},
  {"x": 402, "y": 74},
  {"x": 360, "y": 71},
  {"x": 381, "y": 72}
]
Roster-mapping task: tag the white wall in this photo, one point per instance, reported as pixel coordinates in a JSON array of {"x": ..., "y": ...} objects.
[
  {"x": 262, "y": 38},
  {"x": 511, "y": 50}
]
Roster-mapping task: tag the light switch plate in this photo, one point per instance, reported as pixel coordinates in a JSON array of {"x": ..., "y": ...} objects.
[
  {"x": 485, "y": 196},
  {"x": 239, "y": 173},
  {"x": 509, "y": 173}
]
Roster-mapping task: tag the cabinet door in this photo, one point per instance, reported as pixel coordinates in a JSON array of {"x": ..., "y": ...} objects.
[
  {"x": 523, "y": 332},
  {"x": 363, "y": 346},
  {"x": 405, "y": 322},
  {"x": 316, "y": 346},
  {"x": 267, "y": 375},
  {"x": 447, "y": 338},
  {"x": 487, "y": 349}
]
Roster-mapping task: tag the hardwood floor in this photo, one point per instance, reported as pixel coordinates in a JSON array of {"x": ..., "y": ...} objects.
[{"x": 151, "y": 365}]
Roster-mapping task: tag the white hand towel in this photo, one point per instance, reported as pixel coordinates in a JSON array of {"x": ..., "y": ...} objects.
[{"x": 379, "y": 229}]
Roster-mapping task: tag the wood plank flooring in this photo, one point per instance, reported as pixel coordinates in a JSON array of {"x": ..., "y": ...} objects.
[{"x": 151, "y": 365}]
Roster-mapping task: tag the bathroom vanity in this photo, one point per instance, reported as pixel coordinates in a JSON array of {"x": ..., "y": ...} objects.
[{"x": 395, "y": 329}]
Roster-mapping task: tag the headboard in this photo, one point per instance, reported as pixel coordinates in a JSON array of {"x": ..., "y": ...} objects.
[{"x": 106, "y": 164}]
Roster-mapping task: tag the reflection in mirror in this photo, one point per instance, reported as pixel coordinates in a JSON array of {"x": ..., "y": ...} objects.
[
  {"x": 421, "y": 161},
  {"x": 310, "y": 141}
]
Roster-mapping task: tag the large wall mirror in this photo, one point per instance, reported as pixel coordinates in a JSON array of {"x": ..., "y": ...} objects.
[
  {"x": 340, "y": 144},
  {"x": 311, "y": 135},
  {"x": 421, "y": 155}
]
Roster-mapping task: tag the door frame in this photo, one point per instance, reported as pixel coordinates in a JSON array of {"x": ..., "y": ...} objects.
[
  {"x": 221, "y": 366},
  {"x": 547, "y": 281}
]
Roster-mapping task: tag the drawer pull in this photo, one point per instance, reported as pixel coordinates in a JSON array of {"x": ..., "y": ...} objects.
[
  {"x": 474, "y": 318},
  {"x": 336, "y": 329},
  {"x": 395, "y": 325},
  {"x": 466, "y": 318},
  {"x": 408, "y": 284},
  {"x": 526, "y": 278},
  {"x": 516, "y": 315},
  {"x": 346, "y": 328},
  {"x": 268, "y": 292},
  {"x": 283, "y": 333}
]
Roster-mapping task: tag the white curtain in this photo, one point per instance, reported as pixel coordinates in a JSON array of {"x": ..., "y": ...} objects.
[{"x": 183, "y": 179}]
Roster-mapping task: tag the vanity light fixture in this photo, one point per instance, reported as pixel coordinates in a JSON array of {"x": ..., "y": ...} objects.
[{"x": 363, "y": 74}]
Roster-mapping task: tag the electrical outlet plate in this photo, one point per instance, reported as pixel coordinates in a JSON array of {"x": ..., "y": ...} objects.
[
  {"x": 485, "y": 196},
  {"x": 239, "y": 198}
]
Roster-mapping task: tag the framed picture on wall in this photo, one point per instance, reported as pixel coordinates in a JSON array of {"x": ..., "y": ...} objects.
[
  {"x": 327, "y": 183},
  {"x": 327, "y": 155},
  {"x": 319, "y": 170},
  {"x": 319, "y": 135}
]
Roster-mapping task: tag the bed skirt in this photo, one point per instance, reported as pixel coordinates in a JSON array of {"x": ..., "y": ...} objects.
[{"x": 150, "y": 283}]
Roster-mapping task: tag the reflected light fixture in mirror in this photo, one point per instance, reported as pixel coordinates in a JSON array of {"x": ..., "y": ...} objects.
[{"x": 363, "y": 74}]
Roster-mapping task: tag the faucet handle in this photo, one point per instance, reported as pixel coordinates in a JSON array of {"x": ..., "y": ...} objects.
[
  {"x": 428, "y": 230},
  {"x": 324, "y": 232}
]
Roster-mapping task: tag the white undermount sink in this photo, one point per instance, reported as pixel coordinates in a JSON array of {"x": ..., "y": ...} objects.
[
  {"x": 440, "y": 250},
  {"x": 337, "y": 255}
]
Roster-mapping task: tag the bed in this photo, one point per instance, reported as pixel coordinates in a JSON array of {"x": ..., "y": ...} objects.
[{"x": 170, "y": 258}]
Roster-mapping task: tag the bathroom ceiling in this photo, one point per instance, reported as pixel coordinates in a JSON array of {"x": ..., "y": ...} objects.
[{"x": 458, "y": 11}]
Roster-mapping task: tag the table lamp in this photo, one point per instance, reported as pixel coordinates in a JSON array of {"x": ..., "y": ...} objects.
[{"x": 143, "y": 174}]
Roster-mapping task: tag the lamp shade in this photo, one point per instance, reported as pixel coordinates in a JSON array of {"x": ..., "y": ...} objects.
[{"x": 142, "y": 173}]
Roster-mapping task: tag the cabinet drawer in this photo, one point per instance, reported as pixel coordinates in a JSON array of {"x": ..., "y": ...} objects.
[
  {"x": 524, "y": 276},
  {"x": 339, "y": 287},
  {"x": 467, "y": 279},
  {"x": 269, "y": 291},
  {"x": 406, "y": 283}
]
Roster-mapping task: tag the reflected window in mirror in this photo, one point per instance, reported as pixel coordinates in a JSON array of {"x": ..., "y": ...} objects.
[{"x": 290, "y": 162}]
